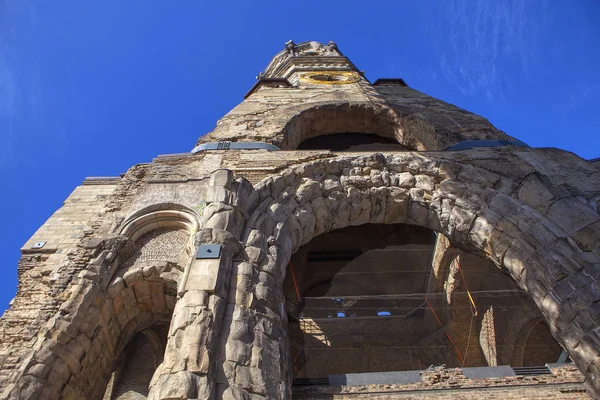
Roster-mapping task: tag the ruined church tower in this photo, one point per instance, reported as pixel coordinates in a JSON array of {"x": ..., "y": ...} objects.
[{"x": 331, "y": 236}]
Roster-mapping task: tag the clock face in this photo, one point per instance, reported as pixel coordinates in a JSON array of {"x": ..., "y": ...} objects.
[{"x": 330, "y": 77}]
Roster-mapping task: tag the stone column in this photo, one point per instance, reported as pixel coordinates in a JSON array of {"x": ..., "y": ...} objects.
[
  {"x": 188, "y": 369},
  {"x": 254, "y": 347}
]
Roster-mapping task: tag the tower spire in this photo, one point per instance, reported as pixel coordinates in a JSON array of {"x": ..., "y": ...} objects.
[{"x": 307, "y": 56}]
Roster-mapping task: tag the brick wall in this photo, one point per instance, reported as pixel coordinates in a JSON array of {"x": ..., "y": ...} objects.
[
  {"x": 450, "y": 383},
  {"x": 137, "y": 370}
]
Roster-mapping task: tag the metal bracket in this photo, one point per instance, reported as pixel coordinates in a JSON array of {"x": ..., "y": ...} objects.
[
  {"x": 223, "y": 145},
  {"x": 208, "y": 251},
  {"x": 38, "y": 245},
  {"x": 235, "y": 146}
]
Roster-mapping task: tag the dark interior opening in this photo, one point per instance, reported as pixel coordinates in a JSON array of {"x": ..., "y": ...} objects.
[
  {"x": 358, "y": 288},
  {"x": 356, "y": 303},
  {"x": 540, "y": 346},
  {"x": 140, "y": 358},
  {"x": 351, "y": 142}
]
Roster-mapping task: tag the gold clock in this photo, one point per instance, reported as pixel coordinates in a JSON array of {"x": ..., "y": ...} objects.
[{"x": 330, "y": 77}]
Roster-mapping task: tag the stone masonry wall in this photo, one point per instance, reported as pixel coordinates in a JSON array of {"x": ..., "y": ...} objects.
[
  {"x": 532, "y": 212},
  {"x": 45, "y": 274},
  {"x": 541, "y": 189},
  {"x": 487, "y": 217},
  {"x": 287, "y": 116},
  {"x": 565, "y": 383}
]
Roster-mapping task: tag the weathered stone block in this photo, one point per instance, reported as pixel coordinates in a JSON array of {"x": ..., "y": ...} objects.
[
  {"x": 572, "y": 215},
  {"x": 204, "y": 275},
  {"x": 535, "y": 192}
]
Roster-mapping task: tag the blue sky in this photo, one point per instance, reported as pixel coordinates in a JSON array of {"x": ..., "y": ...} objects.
[{"x": 89, "y": 88}]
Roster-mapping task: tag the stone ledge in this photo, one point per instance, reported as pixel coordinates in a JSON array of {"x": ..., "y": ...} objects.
[
  {"x": 101, "y": 180},
  {"x": 566, "y": 378},
  {"x": 390, "y": 82}
]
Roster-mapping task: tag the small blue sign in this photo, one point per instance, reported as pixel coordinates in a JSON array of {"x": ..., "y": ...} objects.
[{"x": 208, "y": 251}]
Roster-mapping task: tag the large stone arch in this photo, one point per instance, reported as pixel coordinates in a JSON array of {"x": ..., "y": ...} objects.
[
  {"x": 285, "y": 118},
  {"x": 292, "y": 124},
  {"x": 115, "y": 299},
  {"x": 329, "y": 118},
  {"x": 479, "y": 211}
]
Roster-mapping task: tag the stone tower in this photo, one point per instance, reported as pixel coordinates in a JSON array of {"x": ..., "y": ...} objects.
[{"x": 329, "y": 233}]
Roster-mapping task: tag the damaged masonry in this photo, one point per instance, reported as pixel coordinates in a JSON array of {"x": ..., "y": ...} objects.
[{"x": 329, "y": 237}]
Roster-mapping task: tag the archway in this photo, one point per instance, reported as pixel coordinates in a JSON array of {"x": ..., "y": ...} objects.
[
  {"x": 143, "y": 306},
  {"x": 352, "y": 124},
  {"x": 137, "y": 364},
  {"x": 461, "y": 202},
  {"x": 531, "y": 345},
  {"x": 539, "y": 346},
  {"x": 128, "y": 288}
]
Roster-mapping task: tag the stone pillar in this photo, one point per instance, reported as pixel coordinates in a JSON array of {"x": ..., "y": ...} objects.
[
  {"x": 189, "y": 366},
  {"x": 487, "y": 337},
  {"x": 255, "y": 348}
]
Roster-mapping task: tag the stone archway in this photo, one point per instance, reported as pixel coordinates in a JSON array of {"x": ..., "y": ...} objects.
[
  {"x": 287, "y": 121},
  {"x": 529, "y": 345},
  {"x": 466, "y": 204},
  {"x": 127, "y": 288},
  {"x": 137, "y": 364},
  {"x": 142, "y": 297},
  {"x": 333, "y": 118}
]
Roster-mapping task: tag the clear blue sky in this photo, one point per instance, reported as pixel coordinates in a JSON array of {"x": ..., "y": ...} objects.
[{"x": 89, "y": 88}]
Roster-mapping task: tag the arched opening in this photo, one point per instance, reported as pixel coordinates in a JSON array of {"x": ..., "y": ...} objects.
[
  {"x": 303, "y": 205},
  {"x": 533, "y": 344},
  {"x": 140, "y": 358},
  {"x": 150, "y": 272},
  {"x": 134, "y": 293},
  {"x": 396, "y": 297},
  {"x": 351, "y": 142},
  {"x": 346, "y": 127},
  {"x": 540, "y": 346}
]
